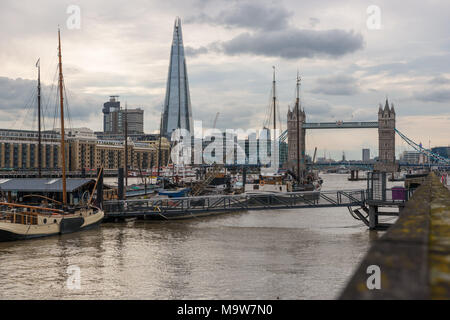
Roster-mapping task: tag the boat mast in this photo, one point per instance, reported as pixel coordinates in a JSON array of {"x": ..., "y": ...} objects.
[
  {"x": 38, "y": 65},
  {"x": 126, "y": 144},
  {"x": 297, "y": 111},
  {"x": 61, "y": 97},
  {"x": 274, "y": 106},
  {"x": 159, "y": 147}
]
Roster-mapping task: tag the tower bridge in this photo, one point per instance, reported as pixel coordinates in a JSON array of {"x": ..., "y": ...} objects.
[
  {"x": 386, "y": 136},
  {"x": 386, "y": 140},
  {"x": 341, "y": 125}
]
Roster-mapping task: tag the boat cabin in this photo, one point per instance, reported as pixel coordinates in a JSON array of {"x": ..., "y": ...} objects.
[
  {"x": 274, "y": 183},
  {"x": 34, "y": 191}
]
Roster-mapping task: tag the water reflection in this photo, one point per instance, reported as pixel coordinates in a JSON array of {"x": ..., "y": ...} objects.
[{"x": 286, "y": 254}]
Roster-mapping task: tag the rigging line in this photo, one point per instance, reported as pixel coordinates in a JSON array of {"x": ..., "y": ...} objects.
[
  {"x": 56, "y": 110},
  {"x": 268, "y": 115},
  {"x": 280, "y": 123},
  {"x": 67, "y": 111},
  {"x": 47, "y": 113},
  {"x": 46, "y": 109},
  {"x": 269, "y": 107},
  {"x": 27, "y": 110},
  {"x": 52, "y": 65},
  {"x": 34, "y": 119},
  {"x": 27, "y": 102}
]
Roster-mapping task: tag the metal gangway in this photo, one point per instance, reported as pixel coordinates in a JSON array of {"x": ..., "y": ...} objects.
[{"x": 185, "y": 207}]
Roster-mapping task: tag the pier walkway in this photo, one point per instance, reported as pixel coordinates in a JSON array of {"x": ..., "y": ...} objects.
[
  {"x": 171, "y": 208},
  {"x": 413, "y": 255}
]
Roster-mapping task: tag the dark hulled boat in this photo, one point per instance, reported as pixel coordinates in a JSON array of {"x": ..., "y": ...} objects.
[{"x": 22, "y": 222}]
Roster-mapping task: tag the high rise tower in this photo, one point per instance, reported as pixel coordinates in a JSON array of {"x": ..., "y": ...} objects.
[{"x": 177, "y": 105}]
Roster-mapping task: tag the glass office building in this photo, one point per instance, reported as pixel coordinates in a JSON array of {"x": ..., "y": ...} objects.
[{"x": 177, "y": 105}]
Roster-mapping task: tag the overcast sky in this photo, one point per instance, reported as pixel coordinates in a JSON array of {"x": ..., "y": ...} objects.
[{"x": 347, "y": 69}]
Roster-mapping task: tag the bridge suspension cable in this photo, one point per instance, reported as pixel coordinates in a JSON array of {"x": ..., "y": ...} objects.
[
  {"x": 421, "y": 149},
  {"x": 283, "y": 136}
]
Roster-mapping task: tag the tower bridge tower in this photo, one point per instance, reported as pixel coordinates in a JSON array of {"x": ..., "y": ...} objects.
[
  {"x": 293, "y": 147},
  {"x": 386, "y": 139},
  {"x": 386, "y": 136}
]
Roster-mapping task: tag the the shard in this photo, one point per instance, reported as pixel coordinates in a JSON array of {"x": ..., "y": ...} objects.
[{"x": 177, "y": 105}]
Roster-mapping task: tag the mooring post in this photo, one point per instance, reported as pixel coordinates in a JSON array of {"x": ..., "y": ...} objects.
[
  {"x": 120, "y": 184},
  {"x": 100, "y": 187},
  {"x": 373, "y": 217}
]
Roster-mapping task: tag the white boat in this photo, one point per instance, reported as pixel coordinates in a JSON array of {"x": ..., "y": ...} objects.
[
  {"x": 269, "y": 184},
  {"x": 21, "y": 222}
]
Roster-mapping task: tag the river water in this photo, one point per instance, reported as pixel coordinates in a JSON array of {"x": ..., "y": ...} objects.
[{"x": 285, "y": 254}]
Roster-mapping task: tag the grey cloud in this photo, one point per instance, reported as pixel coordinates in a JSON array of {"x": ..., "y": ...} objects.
[
  {"x": 18, "y": 95},
  {"x": 439, "y": 80},
  {"x": 12, "y": 91},
  {"x": 235, "y": 114},
  {"x": 342, "y": 85},
  {"x": 439, "y": 95},
  {"x": 193, "y": 52},
  {"x": 273, "y": 37},
  {"x": 316, "y": 108},
  {"x": 424, "y": 64},
  {"x": 253, "y": 15},
  {"x": 313, "y": 22},
  {"x": 295, "y": 43}
]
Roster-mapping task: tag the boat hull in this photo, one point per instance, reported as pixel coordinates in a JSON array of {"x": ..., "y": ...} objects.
[
  {"x": 13, "y": 236},
  {"x": 15, "y": 232}
]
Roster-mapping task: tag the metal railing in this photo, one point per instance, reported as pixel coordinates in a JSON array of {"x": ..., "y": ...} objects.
[
  {"x": 259, "y": 201},
  {"x": 394, "y": 195},
  {"x": 19, "y": 217}
]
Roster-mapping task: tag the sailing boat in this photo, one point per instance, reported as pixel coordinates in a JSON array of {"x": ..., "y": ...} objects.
[
  {"x": 306, "y": 181},
  {"x": 270, "y": 182},
  {"x": 21, "y": 222},
  {"x": 277, "y": 183}
]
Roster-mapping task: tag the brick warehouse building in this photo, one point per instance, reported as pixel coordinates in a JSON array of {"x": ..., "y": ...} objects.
[{"x": 18, "y": 150}]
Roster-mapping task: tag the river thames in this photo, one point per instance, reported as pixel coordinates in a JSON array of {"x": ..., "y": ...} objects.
[{"x": 285, "y": 254}]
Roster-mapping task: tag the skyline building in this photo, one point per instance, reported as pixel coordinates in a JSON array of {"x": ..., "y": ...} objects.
[
  {"x": 114, "y": 118},
  {"x": 365, "y": 154},
  {"x": 177, "y": 104},
  {"x": 110, "y": 115}
]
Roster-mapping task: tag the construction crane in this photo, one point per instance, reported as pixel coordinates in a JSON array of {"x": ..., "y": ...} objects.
[
  {"x": 314, "y": 158},
  {"x": 215, "y": 120}
]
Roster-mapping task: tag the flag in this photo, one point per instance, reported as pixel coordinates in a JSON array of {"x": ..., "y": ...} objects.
[{"x": 38, "y": 63}]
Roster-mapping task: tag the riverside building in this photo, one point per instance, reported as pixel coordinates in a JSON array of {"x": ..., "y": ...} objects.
[{"x": 84, "y": 150}]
